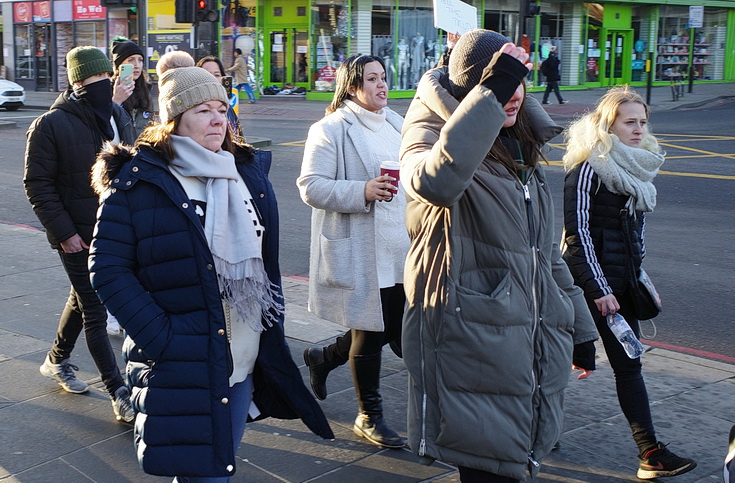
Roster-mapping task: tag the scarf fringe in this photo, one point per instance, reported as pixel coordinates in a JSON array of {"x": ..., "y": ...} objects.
[{"x": 246, "y": 287}]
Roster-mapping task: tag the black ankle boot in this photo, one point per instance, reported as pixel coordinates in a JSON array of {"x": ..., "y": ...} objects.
[
  {"x": 369, "y": 422},
  {"x": 319, "y": 369},
  {"x": 374, "y": 429}
]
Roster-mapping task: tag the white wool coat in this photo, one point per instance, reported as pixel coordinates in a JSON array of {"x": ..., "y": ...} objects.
[{"x": 343, "y": 274}]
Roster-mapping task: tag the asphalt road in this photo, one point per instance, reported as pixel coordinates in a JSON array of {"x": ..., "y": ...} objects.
[{"x": 689, "y": 239}]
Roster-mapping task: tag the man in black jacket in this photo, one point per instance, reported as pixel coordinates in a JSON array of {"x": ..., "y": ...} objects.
[
  {"x": 61, "y": 148},
  {"x": 550, "y": 69}
]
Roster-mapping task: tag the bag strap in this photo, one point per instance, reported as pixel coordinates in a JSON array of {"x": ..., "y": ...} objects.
[{"x": 625, "y": 221}]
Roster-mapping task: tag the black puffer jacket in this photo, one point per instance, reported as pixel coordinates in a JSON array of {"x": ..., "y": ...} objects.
[
  {"x": 594, "y": 241},
  {"x": 61, "y": 147}
]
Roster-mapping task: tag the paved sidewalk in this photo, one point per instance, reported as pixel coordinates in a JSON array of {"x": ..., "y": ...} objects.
[{"x": 49, "y": 435}]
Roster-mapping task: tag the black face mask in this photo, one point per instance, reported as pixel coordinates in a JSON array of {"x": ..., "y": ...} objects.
[{"x": 99, "y": 96}]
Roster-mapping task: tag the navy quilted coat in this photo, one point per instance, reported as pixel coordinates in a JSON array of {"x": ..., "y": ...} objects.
[{"x": 153, "y": 269}]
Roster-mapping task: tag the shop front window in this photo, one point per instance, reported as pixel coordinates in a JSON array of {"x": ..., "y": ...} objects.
[
  {"x": 417, "y": 37},
  {"x": 643, "y": 40},
  {"x": 91, "y": 33},
  {"x": 24, "y": 51},
  {"x": 679, "y": 45},
  {"x": 238, "y": 22},
  {"x": 593, "y": 49},
  {"x": 330, "y": 27}
]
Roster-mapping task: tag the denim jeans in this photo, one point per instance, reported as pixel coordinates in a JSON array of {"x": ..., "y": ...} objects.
[
  {"x": 241, "y": 394},
  {"x": 248, "y": 90},
  {"x": 83, "y": 310}
]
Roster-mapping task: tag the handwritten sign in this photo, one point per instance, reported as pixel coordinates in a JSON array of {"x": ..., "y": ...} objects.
[{"x": 454, "y": 16}]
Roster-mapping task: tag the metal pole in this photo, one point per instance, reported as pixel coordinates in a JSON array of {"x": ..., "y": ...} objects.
[
  {"x": 521, "y": 21},
  {"x": 691, "y": 59},
  {"x": 649, "y": 80}
]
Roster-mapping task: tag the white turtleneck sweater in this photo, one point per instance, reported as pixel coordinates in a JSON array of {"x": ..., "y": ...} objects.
[{"x": 391, "y": 240}]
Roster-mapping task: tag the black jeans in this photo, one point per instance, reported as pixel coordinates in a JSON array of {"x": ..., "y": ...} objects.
[
  {"x": 552, "y": 85},
  {"x": 83, "y": 310},
  {"x": 629, "y": 383},
  {"x": 363, "y": 342}
]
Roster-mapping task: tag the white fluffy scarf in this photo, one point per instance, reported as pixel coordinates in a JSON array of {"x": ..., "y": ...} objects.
[
  {"x": 236, "y": 248},
  {"x": 629, "y": 171}
]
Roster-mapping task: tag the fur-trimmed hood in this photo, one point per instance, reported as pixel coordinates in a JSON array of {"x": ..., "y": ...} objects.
[{"x": 108, "y": 164}]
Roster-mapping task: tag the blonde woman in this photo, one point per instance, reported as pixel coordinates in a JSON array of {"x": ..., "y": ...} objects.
[{"x": 611, "y": 161}]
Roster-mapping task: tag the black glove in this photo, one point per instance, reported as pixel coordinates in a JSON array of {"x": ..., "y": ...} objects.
[
  {"x": 502, "y": 75},
  {"x": 584, "y": 355}
]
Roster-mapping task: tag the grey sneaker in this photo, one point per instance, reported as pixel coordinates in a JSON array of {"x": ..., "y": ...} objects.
[
  {"x": 63, "y": 374},
  {"x": 121, "y": 405}
]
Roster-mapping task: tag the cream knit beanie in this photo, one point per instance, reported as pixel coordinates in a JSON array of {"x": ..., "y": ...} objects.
[{"x": 183, "y": 88}]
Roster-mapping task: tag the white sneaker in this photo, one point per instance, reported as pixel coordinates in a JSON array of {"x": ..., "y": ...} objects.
[
  {"x": 63, "y": 374},
  {"x": 113, "y": 326}
]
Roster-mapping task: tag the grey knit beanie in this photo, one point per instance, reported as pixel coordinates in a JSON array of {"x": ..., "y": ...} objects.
[
  {"x": 469, "y": 57},
  {"x": 183, "y": 88},
  {"x": 86, "y": 61}
]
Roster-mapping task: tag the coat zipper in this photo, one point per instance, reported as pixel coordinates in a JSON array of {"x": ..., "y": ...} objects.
[{"x": 534, "y": 292}]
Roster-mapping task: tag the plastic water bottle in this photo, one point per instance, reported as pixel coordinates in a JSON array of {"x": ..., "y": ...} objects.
[{"x": 625, "y": 335}]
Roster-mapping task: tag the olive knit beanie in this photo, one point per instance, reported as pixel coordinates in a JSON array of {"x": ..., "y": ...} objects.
[
  {"x": 122, "y": 49},
  {"x": 83, "y": 62},
  {"x": 185, "y": 87},
  {"x": 469, "y": 57}
]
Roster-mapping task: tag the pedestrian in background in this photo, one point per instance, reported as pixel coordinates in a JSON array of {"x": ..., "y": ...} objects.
[
  {"x": 550, "y": 69},
  {"x": 492, "y": 313},
  {"x": 135, "y": 96},
  {"x": 358, "y": 237},
  {"x": 610, "y": 164},
  {"x": 241, "y": 70},
  {"x": 215, "y": 67},
  {"x": 185, "y": 255},
  {"x": 60, "y": 151}
]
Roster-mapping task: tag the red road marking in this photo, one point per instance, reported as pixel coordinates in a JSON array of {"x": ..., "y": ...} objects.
[{"x": 694, "y": 352}]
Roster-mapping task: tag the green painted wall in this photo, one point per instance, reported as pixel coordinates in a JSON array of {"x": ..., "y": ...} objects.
[
  {"x": 617, "y": 16},
  {"x": 729, "y": 73}
]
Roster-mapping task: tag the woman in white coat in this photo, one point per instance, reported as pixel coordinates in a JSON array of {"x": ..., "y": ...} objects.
[{"x": 358, "y": 237}]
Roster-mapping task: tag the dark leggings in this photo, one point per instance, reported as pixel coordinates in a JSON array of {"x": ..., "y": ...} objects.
[
  {"x": 392, "y": 301},
  {"x": 471, "y": 475},
  {"x": 363, "y": 342},
  {"x": 629, "y": 383}
]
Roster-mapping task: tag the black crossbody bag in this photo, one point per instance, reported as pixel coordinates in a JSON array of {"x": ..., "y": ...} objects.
[{"x": 646, "y": 301}]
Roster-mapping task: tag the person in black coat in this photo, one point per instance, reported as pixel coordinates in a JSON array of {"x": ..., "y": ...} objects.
[
  {"x": 185, "y": 255},
  {"x": 61, "y": 148},
  {"x": 550, "y": 69},
  {"x": 611, "y": 162}
]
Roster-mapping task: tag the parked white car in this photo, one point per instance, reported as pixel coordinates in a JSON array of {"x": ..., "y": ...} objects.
[{"x": 12, "y": 95}]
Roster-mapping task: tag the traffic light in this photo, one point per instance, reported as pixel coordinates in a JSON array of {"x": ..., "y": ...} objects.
[
  {"x": 206, "y": 10},
  {"x": 184, "y": 11},
  {"x": 532, "y": 8}
]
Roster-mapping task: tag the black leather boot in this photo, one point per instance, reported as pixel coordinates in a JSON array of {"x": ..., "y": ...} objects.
[
  {"x": 321, "y": 361},
  {"x": 369, "y": 422},
  {"x": 319, "y": 369}
]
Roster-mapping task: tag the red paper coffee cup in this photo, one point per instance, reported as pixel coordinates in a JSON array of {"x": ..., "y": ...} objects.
[{"x": 391, "y": 168}]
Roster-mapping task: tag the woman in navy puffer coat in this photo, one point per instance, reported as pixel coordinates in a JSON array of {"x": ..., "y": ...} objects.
[{"x": 191, "y": 361}]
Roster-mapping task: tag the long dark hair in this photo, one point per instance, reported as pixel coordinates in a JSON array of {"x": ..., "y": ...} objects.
[
  {"x": 141, "y": 96},
  {"x": 212, "y": 58},
  {"x": 350, "y": 74},
  {"x": 521, "y": 135}
]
